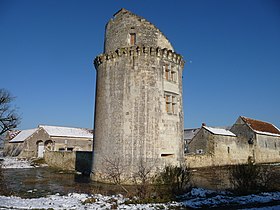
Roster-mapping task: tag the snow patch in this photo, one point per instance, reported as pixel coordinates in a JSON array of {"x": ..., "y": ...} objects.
[
  {"x": 219, "y": 131},
  {"x": 75, "y": 201},
  {"x": 201, "y": 198},
  {"x": 11, "y": 162},
  {"x": 197, "y": 198}
]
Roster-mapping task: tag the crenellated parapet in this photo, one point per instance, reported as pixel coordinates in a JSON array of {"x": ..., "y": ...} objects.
[{"x": 140, "y": 51}]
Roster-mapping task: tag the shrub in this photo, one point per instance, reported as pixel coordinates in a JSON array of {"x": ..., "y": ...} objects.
[
  {"x": 174, "y": 180},
  {"x": 250, "y": 178},
  {"x": 143, "y": 179}
]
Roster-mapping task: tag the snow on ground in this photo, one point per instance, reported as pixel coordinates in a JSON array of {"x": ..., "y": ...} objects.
[
  {"x": 75, "y": 201},
  {"x": 11, "y": 162},
  {"x": 197, "y": 198}
]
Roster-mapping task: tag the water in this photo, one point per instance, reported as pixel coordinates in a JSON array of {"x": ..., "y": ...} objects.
[{"x": 37, "y": 182}]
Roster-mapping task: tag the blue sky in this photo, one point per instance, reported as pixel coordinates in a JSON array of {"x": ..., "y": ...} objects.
[{"x": 232, "y": 49}]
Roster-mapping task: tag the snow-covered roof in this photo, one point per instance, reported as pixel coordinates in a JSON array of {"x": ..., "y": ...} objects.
[
  {"x": 24, "y": 134},
  {"x": 219, "y": 131},
  {"x": 67, "y": 131}
]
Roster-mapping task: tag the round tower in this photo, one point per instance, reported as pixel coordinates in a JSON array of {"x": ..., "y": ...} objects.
[{"x": 138, "y": 108}]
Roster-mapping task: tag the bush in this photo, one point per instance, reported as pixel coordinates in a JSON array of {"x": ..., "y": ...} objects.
[
  {"x": 174, "y": 180},
  {"x": 250, "y": 178},
  {"x": 142, "y": 180}
]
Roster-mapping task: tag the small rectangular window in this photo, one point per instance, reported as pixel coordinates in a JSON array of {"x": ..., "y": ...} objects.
[
  {"x": 173, "y": 76},
  {"x": 170, "y": 103},
  {"x": 170, "y": 73},
  {"x": 132, "y": 39}
]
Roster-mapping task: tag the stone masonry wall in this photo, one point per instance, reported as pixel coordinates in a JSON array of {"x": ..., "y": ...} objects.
[
  {"x": 62, "y": 160},
  {"x": 267, "y": 149},
  {"x": 76, "y": 160}
]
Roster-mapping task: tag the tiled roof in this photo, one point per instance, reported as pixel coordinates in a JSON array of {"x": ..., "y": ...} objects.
[{"x": 261, "y": 127}]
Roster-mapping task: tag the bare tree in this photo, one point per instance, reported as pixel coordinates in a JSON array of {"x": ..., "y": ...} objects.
[
  {"x": 143, "y": 178},
  {"x": 8, "y": 117},
  {"x": 115, "y": 172}
]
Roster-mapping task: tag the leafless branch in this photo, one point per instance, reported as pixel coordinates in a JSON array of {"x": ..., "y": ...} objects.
[{"x": 8, "y": 116}]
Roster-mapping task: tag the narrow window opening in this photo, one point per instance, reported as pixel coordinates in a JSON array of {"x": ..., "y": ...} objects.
[
  {"x": 132, "y": 39},
  {"x": 167, "y": 155},
  {"x": 228, "y": 150},
  {"x": 173, "y": 104},
  {"x": 167, "y": 72}
]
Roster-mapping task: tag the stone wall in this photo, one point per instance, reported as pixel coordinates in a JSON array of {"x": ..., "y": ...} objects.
[
  {"x": 76, "y": 160},
  {"x": 62, "y": 160},
  {"x": 267, "y": 149},
  {"x": 207, "y": 160},
  {"x": 73, "y": 143},
  {"x": 199, "y": 142}
]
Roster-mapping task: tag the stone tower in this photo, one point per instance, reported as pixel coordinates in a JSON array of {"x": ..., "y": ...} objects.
[{"x": 138, "y": 111}]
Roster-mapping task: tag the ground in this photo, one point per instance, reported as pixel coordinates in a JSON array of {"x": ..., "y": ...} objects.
[{"x": 197, "y": 198}]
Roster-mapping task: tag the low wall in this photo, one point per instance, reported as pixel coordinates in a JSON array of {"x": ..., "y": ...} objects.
[
  {"x": 76, "y": 160},
  {"x": 197, "y": 161},
  {"x": 63, "y": 160},
  {"x": 206, "y": 160}
]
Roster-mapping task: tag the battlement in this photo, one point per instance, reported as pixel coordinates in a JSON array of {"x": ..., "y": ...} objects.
[{"x": 139, "y": 51}]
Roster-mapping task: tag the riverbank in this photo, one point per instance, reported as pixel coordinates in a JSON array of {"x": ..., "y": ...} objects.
[{"x": 32, "y": 187}]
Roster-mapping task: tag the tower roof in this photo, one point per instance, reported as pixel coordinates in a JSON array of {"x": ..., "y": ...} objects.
[{"x": 124, "y": 23}]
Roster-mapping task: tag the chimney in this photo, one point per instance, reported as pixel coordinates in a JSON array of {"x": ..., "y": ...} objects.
[{"x": 203, "y": 124}]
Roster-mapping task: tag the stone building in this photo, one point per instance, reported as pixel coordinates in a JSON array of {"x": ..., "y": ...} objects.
[
  {"x": 247, "y": 140},
  {"x": 34, "y": 142},
  {"x": 261, "y": 138},
  {"x": 138, "y": 111}
]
